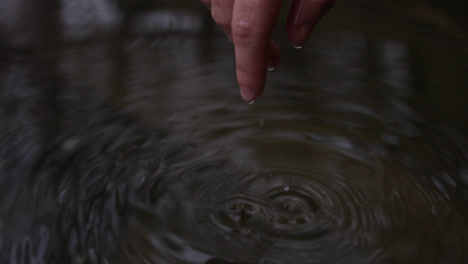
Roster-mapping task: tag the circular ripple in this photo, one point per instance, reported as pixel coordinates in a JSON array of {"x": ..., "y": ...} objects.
[
  {"x": 304, "y": 207},
  {"x": 244, "y": 214},
  {"x": 296, "y": 211},
  {"x": 340, "y": 199}
]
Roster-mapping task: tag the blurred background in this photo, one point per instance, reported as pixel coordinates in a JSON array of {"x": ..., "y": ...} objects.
[{"x": 123, "y": 137}]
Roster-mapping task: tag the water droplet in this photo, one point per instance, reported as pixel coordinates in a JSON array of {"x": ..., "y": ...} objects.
[{"x": 286, "y": 188}]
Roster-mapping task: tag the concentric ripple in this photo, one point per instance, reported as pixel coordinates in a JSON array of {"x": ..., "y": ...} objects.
[
  {"x": 338, "y": 200},
  {"x": 145, "y": 153},
  {"x": 244, "y": 214},
  {"x": 304, "y": 208},
  {"x": 295, "y": 208}
]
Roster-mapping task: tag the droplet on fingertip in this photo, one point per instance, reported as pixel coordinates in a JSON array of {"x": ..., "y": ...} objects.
[{"x": 298, "y": 47}]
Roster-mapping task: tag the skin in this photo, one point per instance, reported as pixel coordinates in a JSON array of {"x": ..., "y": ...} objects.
[{"x": 249, "y": 23}]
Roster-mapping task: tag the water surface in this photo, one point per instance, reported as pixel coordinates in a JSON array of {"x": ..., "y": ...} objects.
[{"x": 134, "y": 146}]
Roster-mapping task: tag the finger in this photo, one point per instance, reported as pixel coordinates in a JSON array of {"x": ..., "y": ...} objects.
[
  {"x": 303, "y": 16},
  {"x": 221, "y": 11},
  {"x": 252, "y": 23},
  {"x": 275, "y": 56}
]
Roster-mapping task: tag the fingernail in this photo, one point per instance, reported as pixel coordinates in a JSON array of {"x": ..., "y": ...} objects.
[
  {"x": 271, "y": 67},
  {"x": 301, "y": 35},
  {"x": 249, "y": 95}
]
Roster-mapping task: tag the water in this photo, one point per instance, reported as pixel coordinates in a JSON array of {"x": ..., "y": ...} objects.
[{"x": 135, "y": 147}]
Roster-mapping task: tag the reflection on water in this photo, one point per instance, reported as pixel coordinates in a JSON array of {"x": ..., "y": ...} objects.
[{"x": 132, "y": 149}]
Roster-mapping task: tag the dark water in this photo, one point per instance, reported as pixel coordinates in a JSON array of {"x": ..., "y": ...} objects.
[{"x": 130, "y": 144}]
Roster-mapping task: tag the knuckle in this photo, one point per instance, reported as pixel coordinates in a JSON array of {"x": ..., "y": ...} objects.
[{"x": 244, "y": 32}]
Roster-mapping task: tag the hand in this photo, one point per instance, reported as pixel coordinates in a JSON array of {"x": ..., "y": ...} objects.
[{"x": 249, "y": 23}]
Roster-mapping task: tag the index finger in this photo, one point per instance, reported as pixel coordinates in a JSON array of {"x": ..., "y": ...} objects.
[{"x": 252, "y": 23}]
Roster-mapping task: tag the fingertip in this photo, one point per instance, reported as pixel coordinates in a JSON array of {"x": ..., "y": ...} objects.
[
  {"x": 275, "y": 56},
  {"x": 300, "y": 35},
  {"x": 252, "y": 24},
  {"x": 249, "y": 95},
  {"x": 302, "y": 18}
]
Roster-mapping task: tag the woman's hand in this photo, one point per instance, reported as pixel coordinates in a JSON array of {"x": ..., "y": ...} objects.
[{"x": 249, "y": 23}]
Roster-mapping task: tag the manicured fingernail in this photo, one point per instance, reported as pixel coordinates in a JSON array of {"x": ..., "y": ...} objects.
[
  {"x": 272, "y": 67},
  {"x": 249, "y": 95},
  {"x": 301, "y": 35}
]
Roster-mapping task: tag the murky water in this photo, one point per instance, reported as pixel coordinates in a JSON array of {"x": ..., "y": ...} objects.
[{"x": 135, "y": 147}]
